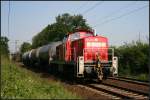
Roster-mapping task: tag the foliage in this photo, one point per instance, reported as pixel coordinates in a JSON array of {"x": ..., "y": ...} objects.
[
  {"x": 143, "y": 77},
  {"x": 4, "y": 46},
  {"x": 19, "y": 83},
  {"x": 25, "y": 47},
  {"x": 133, "y": 58},
  {"x": 64, "y": 24}
]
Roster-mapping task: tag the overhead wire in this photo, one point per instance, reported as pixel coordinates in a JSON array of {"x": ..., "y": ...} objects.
[
  {"x": 117, "y": 11},
  {"x": 8, "y": 18},
  {"x": 91, "y": 8},
  {"x": 81, "y": 6},
  {"x": 125, "y": 14}
]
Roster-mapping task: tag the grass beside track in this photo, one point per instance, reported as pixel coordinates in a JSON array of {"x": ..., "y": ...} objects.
[{"x": 19, "y": 83}]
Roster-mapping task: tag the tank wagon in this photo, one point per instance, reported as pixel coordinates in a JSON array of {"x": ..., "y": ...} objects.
[{"x": 81, "y": 54}]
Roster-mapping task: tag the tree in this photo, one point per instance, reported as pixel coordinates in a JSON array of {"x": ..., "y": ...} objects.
[
  {"x": 70, "y": 23},
  {"x": 64, "y": 24},
  {"x": 25, "y": 47},
  {"x": 4, "y": 46}
]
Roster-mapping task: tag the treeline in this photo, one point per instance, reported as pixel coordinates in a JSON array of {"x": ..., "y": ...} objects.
[
  {"x": 4, "y": 46},
  {"x": 133, "y": 58}
]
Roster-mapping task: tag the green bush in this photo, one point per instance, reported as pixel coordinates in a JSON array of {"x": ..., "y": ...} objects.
[
  {"x": 19, "y": 83},
  {"x": 133, "y": 58},
  {"x": 143, "y": 77}
]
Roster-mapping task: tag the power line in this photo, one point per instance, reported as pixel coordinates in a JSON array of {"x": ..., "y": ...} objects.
[
  {"x": 97, "y": 4},
  {"x": 125, "y": 14},
  {"x": 117, "y": 11},
  {"x": 8, "y": 17},
  {"x": 83, "y": 5}
]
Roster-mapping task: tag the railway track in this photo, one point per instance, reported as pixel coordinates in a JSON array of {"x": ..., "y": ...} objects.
[
  {"x": 128, "y": 84},
  {"x": 116, "y": 92},
  {"x": 121, "y": 88},
  {"x": 127, "y": 89},
  {"x": 130, "y": 80},
  {"x": 105, "y": 94}
]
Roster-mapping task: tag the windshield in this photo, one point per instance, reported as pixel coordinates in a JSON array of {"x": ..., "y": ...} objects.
[{"x": 79, "y": 35}]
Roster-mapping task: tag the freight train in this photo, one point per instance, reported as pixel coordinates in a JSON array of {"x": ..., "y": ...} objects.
[{"x": 81, "y": 54}]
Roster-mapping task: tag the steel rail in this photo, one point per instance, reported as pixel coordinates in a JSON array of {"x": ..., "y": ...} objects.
[
  {"x": 117, "y": 91},
  {"x": 127, "y": 89},
  {"x": 130, "y": 80}
]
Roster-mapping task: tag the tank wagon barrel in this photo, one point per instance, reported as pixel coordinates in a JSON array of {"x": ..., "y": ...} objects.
[
  {"x": 47, "y": 52},
  {"x": 32, "y": 56},
  {"x": 41, "y": 55},
  {"x": 25, "y": 58}
]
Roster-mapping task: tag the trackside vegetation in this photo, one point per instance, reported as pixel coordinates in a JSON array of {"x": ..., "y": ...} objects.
[
  {"x": 133, "y": 60},
  {"x": 19, "y": 83},
  {"x": 4, "y": 46}
]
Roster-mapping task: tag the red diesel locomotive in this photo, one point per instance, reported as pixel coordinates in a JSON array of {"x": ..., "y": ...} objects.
[{"x": 81, "y": 54}]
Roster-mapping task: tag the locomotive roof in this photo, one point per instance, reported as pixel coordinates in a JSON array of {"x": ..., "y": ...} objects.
[{"x": 81, "y": 30}]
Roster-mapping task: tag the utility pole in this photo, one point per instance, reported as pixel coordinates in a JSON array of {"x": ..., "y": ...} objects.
[
  {"x": 139, "y": 37},
  {"x": 16, "y": 46}
]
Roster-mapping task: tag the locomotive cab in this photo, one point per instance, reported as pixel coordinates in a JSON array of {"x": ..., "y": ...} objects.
[{"x": 92, "y": 51}]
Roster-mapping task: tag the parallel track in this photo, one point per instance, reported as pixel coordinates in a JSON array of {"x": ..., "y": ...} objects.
[
  {"x": 120, "y": 91},
  {"x": 116, "y": 91},
  {"x": 126, "y": 89},
  {"x": 130, "y": 80}
]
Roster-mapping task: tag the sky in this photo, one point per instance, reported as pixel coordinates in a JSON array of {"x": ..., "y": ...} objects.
[{"x": 119, "y": 21}]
